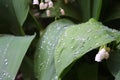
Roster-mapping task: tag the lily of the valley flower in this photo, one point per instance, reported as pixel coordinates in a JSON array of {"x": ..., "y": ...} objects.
[
  {"x": 48, "y": 13},
  {"x": 50, "y": 4},
  {"x": 102, "y": 54},
  {"x": 43, "y": 5},
  {"x": 35, "y": 2},
  {"x": 62, "y": 11}
]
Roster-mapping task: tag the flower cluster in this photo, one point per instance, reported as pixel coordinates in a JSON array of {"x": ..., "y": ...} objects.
[
  {"x": 102, "y": 54},
  {"x": 47, "y": 4}
]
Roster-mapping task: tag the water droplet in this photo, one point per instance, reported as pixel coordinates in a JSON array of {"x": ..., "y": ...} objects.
[
  {"x": 43, "y": 41},
  {"x": 56, "y": 77},
  {"x": 114, "y": 30},
  {"x": 97, "y": 44},
  {"x": 8, "y": 76},
  {"x": 71, "y": 47},
  {"x": 58, "y": 60},
  {"x": 89, "y": 30},
  {"x": 62, "y": 39},
  {"x": 72, "y": 38},
  {"x": 65, "y": 34},
  {"x": 4, "y": 74},
  {"x": 41, "y": 46},
  {"x": 95, "y": 37},
  {"x": 58, "y": 28},
  {"x": 63, "y": 44},
  {"x": 6, "y": 61}
]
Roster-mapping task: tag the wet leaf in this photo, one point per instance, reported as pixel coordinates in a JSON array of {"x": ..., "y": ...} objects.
[
  {"x": 77, "y": 41},
  {"x": 12, "y": 51},
  {"x": 44, "y": 58}
]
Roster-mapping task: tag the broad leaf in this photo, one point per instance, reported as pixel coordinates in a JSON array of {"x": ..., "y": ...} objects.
[
  {"x": 12, "y": 51},
  {"x": 78, "y": 40},
  {"x": 13, "y": 14},
  {"x": 44, "y": 58}
]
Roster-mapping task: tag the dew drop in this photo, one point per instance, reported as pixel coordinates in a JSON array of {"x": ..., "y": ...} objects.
[
  {"x": 44, "y": 41},
  {"x": 71, "y": 47},
  {"x": 58, "y": 61},
  {"x": 56, "y": 77},
  {"x": 97, "y": 44},
  {"x": 95, "y": 37},
  {"x": 89, "y": 30},
  {"x": 6, "y": 61}
]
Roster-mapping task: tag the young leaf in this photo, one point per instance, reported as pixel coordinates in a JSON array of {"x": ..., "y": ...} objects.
[
  {"x": 44, "y": 58},
  {"x": 14, "y": 13},
  {"x": 77, "y": 40},
  {"x": 12, "y": 51}
]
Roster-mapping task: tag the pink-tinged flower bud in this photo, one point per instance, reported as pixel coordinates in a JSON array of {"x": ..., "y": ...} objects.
[
  {"x": 35, "y": 2},
  {"x": 45, "y": 6},
  {"x": 41, "y": 6},
  {"x": 48, "y": 13},
  {"x": 62, "y": 11},
  {"x": 47, "y": 0},
  {"x": 50, "y": 4},
  {"x": 102, "y": 54}
]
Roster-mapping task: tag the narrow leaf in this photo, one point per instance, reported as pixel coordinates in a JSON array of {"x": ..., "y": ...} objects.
[
  {"x": 85, "y": 8},
  {"x": 97, "y": 4}
]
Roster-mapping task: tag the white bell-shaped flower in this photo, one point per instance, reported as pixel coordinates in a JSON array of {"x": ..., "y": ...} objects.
[
  {"x": 50, "y": 4},
  {"x": 43, "y": 5},
  {"x": 102, "y": 54},
  {"x": 35, "y": 2},
  {"x": 62, "y": 11},
  {"x": 48, "y": 13}
]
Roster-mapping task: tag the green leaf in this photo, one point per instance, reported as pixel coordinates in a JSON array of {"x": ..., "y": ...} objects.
[
  {"x": 14, "y": 13},
  {"x": 77, "y": 40},
  {"x": 44, "y": 58},
  {"x": 12, "y": 51},
  {"x": 114, "y": 63},
  {"x": 85, "y": 8},
  {"x": 97, "y": 4},
  {"x": 27, "y": 68},
  {"x": 111, "y": 10},
  {"x": 31, "y": 25}
]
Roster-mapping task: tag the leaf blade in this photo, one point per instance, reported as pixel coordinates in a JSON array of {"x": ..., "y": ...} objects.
[{"x": 12, "y": 50}]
